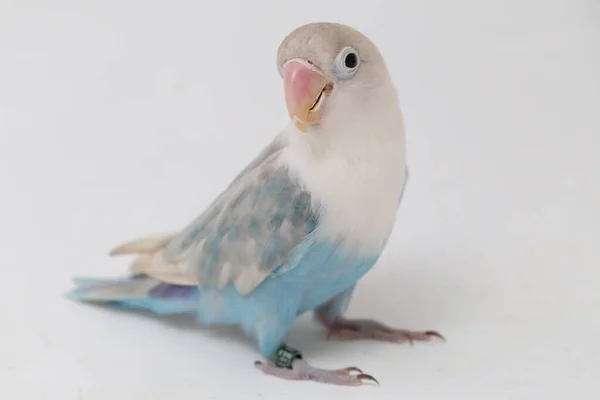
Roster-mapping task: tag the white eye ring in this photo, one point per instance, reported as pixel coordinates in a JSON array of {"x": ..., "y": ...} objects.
[{"x": 346, "y": 63}]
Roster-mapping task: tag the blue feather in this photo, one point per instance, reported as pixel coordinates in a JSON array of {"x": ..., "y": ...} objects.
[
  {"x": 319, "y": 272},
  {"x": 258, "y": 257},
  {"x": 131, "y": 293}
]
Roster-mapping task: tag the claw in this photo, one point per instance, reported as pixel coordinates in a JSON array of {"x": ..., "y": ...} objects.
[
  {"x": 368, "y": 329},
  {"x": 435, "y": 334},
  {"x": 367, "y": 377},
  {"x": 302, "y": 371},
  {"x": 351, "y": 369}
]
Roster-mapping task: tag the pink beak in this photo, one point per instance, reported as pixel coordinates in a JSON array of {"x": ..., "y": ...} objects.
[{"x": 304, "y": 88}]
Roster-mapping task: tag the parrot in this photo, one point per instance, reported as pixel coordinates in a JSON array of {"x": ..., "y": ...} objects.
[{"x": 299, "y": 226}]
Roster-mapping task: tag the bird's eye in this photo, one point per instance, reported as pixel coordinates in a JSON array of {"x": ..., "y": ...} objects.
[{"x": 347, "y": 63}]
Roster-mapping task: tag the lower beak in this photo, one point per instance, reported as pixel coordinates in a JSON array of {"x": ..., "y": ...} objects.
[{"x": 304, "y": 88}]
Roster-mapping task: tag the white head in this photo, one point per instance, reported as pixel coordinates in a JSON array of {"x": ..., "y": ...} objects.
[
  {"x": 335, "y": 78},
  {"x": 347, "y": 135}
]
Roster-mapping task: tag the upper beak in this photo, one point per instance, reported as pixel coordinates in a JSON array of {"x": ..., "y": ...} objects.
[{"x": 304, "y": 88}]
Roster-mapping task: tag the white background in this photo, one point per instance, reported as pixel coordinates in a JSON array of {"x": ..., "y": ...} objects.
[{"x": 120, "y": 118}]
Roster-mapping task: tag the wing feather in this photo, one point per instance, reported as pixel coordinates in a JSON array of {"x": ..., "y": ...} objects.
[{"x": 249, "y": 230}]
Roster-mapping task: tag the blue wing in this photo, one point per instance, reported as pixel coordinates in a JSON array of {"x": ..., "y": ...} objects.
[{"x": 250, "y": 230}]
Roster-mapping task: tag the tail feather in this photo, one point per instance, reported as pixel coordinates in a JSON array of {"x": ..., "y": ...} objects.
[
  {"x": 138, "y": 292},
  {"x": 98, "y": 289},
  {"x": 89, "y": 281},
  {"x": 145, "y": 245},
  {"x": 160, "y": 307}
]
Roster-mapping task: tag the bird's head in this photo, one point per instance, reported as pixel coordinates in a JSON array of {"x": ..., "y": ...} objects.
[{"x": 332, "y": 77}]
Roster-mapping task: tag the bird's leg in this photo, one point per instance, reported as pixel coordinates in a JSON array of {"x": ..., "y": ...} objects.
[
  {"x": 288, "y": 364},
  {"x": 353, "y": 329}
]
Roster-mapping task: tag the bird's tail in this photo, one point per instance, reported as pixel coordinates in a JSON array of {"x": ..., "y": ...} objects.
[
  {"x": 143, "y": 245},
  {"x": 140, "y": 292}
]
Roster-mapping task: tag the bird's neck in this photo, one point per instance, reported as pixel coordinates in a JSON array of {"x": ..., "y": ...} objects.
[{"x": 355, "y": 177}]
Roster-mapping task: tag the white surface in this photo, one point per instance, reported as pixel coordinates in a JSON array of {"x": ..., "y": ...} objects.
[{"x": 121, "y": 118}]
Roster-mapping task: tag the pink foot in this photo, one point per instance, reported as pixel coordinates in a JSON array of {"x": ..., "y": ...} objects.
[
  {"x": 302, "y": 371},
  {"x": 344, "y": 329}
]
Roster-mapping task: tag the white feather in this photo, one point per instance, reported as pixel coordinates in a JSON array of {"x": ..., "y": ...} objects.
[
  {"x": 144, "y": 245},
  {"x": 356, "y": 171}
]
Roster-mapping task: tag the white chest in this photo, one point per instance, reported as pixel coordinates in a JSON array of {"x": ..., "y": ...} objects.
[{"x": 358, "y": 196}]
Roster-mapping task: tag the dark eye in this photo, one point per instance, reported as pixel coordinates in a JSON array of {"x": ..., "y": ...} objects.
[
  {"x": 351, "y": 60},
  {"x": 347, "y": 63}
]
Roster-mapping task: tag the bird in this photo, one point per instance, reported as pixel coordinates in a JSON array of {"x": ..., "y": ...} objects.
[{"x": 300, "y": 225}]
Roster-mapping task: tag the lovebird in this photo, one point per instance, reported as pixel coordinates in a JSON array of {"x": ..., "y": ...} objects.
[{"x": 296, "y": 229}]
